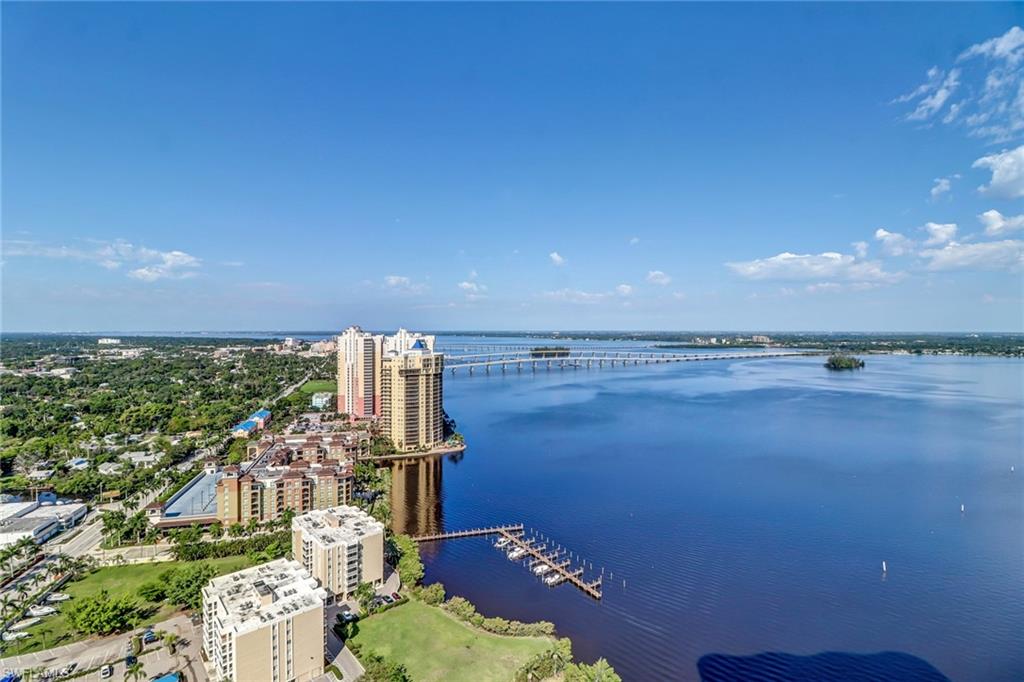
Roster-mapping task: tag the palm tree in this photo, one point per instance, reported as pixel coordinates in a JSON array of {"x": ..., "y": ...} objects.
[
  {"x": 7, "y": 603},
  {"x": 135, "y": 671},
  {"x": 22, "y": 589}
]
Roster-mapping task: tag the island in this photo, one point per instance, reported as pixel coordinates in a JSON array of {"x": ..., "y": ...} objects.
[{"x": 839, "y": 361}]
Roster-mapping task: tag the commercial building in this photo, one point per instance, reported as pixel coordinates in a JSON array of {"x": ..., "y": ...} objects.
[
  {"x": 341, "y": 547},
  {"x": 412, "y": 413},
  {"x": 279, "y": 479},
  {"x": 37, "y": 521},
  {"x": 265, "y": 623}
]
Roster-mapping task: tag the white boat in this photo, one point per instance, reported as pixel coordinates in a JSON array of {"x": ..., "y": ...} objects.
[
  {"x": 516, "y": 553},
  {"x": 554, "y": 579},
  {"x": 40, "y": 610},
  {"x": 541, "y": 569},
  {"x": 57, "y": 596},
  {"x": 502, "y": 542},
  {"x": 12, "y": 636},
  {"x": 27, "y": 623}
]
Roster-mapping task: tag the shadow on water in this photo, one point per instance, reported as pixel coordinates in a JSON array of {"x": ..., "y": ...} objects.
[{"x": 830, "y": 665}]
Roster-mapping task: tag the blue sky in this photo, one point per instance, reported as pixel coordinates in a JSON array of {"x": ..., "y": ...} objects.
[{"x": 498, "y": 166}]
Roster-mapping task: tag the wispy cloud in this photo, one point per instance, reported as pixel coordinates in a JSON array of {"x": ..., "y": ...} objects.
[
  {"x": 575, "y": 296},
  {"x": 1007, "y": 169},
  {"x": 401, "y": 284},
  {"x": 658, "y": 277},
  {"x": 984, "y": 92},
  {"x": 634, "y": 241},
  {"x": 821, "y": 267},
  {"x": 556, "y": 258},
  {"x": 624, "y": 290},
  {"x": 996, "y": 224},
  {"x": 149, "y": 264}
]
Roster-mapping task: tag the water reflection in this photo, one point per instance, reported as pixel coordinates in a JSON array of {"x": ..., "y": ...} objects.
[
  {"x": 416, "y": 496},
  {"x": 830, "y": 665}
]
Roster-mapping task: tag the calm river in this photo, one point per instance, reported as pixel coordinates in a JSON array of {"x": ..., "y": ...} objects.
[{"x": 741, "y": 511}]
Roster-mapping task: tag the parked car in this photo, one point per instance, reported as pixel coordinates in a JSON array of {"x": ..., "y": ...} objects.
[
  {"x": 129, "y": 660},
  {"x": 149, "y": 637},
  {"x": 387, "y": 599},
  {"x": 106, "y": 671},
  {"x": 395, "y": 596}
]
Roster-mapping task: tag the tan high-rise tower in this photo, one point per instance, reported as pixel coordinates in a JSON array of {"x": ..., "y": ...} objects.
[{"x": 412, "y": 414}]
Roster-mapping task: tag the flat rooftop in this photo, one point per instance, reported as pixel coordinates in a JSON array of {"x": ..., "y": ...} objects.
[
  {"x": 197, "y": 498},
  {"x": 255, "y": 597},
  {"x": 337, "y": 525}
]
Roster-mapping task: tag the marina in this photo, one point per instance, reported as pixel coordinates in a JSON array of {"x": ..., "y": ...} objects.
[{"x": 552, "y": 566}]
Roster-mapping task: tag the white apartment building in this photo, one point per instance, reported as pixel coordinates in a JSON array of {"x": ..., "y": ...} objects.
[
  {"x": 341, "y": 547},
  {"x": 265, "y": 623}
]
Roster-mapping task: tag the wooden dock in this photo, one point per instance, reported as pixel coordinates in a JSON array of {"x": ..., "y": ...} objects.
[
  {"x": 507, "y": 531},
  {"x": 535, "y": 553},
  {"x": 574, "y": 576}
]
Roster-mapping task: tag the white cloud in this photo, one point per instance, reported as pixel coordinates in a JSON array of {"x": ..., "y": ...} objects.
[
  {"x": 1003, "y": 255},
  {"x": 679, "y": 295},
  {"x": 989, "y": 82},
  {"x": 658, "y": 277},
  {"x": 1007, "y": 169},
  {"x": 860, "y": 248},
  {"x": 634, "y": 241},
  {"x": 996, "y": 224},
  {"x": 893, "y": 243},
  {"x": 822, "y": 266},
  {"x": 556, "y": 258},
  {"x": 939, "y": 233},
  {"x": 472, "y": 286},
  {"x": 624, "y": 290},
  {"x": 403, "y": 285},
  {"x": 575, "y": 296},
  {"x": 1009, "y": 46},
  {"x": 171, "y": 265},
  {"x": 939, "y": 89},
  {"x": 151, "y": 264},
  {"x": 942, "y": 186},
  {"x": 823, "y": 287}
]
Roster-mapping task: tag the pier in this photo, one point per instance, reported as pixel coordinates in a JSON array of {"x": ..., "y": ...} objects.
[
  {"x": 473, "y": 532},
  {"x": 536, "y": 555}
]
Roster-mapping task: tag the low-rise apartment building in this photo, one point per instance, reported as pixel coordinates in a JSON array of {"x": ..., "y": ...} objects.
[
  {"x": 341, "y": 547},
  {"x": 265, "y": 623}
]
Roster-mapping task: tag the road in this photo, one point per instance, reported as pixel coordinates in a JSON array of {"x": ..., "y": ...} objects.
[{"x": 93, "y": 653}]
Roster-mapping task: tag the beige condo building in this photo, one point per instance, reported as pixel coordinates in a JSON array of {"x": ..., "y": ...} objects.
[
  {"x": 265, "y": 623},
  {"x": 340, "y": 547},
  {"x": 412, "y": 411},
  {"x": 360, "y": 356}
]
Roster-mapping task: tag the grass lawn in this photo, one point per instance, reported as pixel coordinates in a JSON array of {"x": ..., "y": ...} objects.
[
  {"x": 434, "y": 646},
  {"x": 319, "y": 386},
  {"x": 117, "y": 581}
]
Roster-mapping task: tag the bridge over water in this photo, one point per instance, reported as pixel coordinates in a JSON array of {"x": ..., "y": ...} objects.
[{"x": 577, "y": 358}]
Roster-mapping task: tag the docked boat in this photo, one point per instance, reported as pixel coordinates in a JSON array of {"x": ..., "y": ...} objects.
[
  {"x": 541, "y": 569},
  {"x": 516, "y": 553},
  {"x": 41, "y": 610},
  {"x": 12, "y": 636},
  {"x": 57, "y": 596},
  {"x": 27, "y": 623},
  {"x": 502, "y": 542},
  {"x": 554, "y": 579}
]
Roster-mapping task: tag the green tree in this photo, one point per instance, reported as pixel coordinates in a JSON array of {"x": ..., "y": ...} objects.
[
  {"x": 410, "y": 566},
  {"x": 101, "y": 614},
  {"x": 184, "y": 586},
  {"x": 135, "y": 671},
  {"x": 379, "y": 669},
  {"x": 364, "y": 595},
  {"x": 600, "y": 671}
]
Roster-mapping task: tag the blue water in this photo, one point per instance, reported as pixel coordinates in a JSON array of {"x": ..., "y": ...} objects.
[{"x": 748, "y": 506}]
